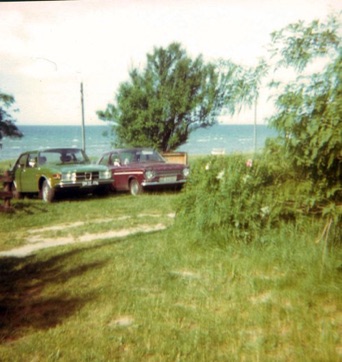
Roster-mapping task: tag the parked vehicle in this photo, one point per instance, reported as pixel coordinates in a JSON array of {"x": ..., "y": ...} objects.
[
  {"x": 51, "y": 171},
  {"x": 135, "y": 169}
]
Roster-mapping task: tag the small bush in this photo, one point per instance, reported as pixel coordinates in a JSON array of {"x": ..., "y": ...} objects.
[{"x": 226, "y": 196}]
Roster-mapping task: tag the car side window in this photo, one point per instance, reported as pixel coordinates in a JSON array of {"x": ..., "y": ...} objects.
[
  {"x": 22, "y": 162},
  {"x": 44, "y": 158},
  {"x": 115, "y": 159},
  {"x": 127, "y": 157},
  {"x": 32, "y": 160},
  {"x": 104, "y": 160}
]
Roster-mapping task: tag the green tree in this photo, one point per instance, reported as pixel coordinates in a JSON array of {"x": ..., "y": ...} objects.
[
  {"x": 239, "y": 85},
  {"x": 174, "y": 95},
  {"x": 7, "y": 126},
  {"x": 309, "y": 109}
]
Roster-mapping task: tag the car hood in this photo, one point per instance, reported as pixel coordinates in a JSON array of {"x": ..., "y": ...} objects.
[
  {"x": 156, "y": 166},
  {"x": 77, "y": 168}
]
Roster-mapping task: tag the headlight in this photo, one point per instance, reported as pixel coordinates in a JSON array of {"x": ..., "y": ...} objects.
[
  {"x": 57, "y": 176},
  {"x": 186, "y": 172},
  {"x": 149, "y": 174},
  {"x": 105, "y": 174},
  {"x": 69, "y": 176}
]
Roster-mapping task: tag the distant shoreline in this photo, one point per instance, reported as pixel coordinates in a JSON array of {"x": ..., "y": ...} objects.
[
  {"x": 109, "y": 125},
  {"x": 61, "y": 125},
  {"x": 99, "y": 139}
]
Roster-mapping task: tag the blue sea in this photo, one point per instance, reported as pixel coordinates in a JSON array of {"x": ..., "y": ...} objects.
[{"x": 230, "y": 138}]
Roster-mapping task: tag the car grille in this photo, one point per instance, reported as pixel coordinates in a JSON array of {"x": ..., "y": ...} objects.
[
  {"x": 167, "y": 173},
  {"x": 87, "y": 176}
]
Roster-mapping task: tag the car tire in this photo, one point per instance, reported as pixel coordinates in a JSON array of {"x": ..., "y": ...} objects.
[
  {"x": 16, "y": 194},
  {"x": 47, "y": 193},
  {"x": 135, "y": 188}
]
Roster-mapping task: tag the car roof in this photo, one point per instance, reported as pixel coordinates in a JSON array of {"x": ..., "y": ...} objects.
[
  {"x": 130, "y": 149},
  {"x": 59, "y": 149}
]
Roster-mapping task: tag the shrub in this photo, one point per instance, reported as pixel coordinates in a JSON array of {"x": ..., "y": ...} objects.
[
  {"x": 233, "y": 199},
  {"x": 226, "y": 197}
]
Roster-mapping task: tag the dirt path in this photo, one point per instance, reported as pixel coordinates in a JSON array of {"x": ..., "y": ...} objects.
[{"x": 36, "y": 240}]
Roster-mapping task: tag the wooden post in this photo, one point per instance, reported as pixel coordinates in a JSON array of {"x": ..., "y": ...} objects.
[{"x": 7, "y": 190}]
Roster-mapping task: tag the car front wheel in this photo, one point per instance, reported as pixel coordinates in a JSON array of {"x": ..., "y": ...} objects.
[
  {"x": 48, "y": 193},
  {"x": 135, "y": 187}
]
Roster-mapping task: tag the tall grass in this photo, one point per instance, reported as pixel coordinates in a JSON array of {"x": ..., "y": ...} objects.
[
  {"x": 232, "y": 199},
  {"x": 164, "y": 296}
]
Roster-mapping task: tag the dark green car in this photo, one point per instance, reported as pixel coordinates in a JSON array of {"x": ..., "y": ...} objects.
[{"x": 51, "y": 171}]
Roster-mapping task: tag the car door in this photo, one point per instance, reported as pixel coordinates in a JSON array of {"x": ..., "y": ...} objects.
[
  {"x": 121, "y": 164},
  {"x": 29, "y": 174},
  {"x": 19, "y": 169}
]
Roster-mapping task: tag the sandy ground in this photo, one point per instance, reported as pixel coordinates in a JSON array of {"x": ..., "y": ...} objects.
[{"x": 36, "y": 240}]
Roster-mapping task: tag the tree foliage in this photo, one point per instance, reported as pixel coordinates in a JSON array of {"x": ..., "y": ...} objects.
[
  {"x": 240, "y": 85},
  {"x": 174, "y": 95},
  {"x": 160, "y": 105},
  {"x": 227, "y": 199},
  {"x": 309, "y": 109},
  {"x": 7, "y": 126}
]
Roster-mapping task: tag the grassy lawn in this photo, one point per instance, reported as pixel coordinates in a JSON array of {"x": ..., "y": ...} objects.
[{"x": 157, "y": 296}]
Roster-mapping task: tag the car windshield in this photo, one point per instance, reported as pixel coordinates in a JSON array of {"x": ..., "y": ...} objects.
[
  {"x": 140, "y": 156},
  {"x": 62, "y": 156}
]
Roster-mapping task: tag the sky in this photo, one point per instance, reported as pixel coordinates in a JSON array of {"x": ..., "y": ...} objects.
[{"x": 48, "y": 48}]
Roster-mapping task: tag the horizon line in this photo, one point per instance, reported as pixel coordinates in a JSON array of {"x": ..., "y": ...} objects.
[{"x": 100, "y": 125}]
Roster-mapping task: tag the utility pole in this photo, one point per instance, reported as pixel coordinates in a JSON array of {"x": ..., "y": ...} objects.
[
  {"x": 255, "y": 123},
  {"x": 83, "y": 128}
]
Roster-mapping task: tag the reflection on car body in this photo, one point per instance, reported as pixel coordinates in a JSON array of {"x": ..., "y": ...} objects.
[
  {"x": 135, "y": 169},
  {"x": 52, "y": 170}
]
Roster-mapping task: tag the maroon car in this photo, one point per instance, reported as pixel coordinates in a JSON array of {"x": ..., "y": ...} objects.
[{"x": 135, "y": 169}]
